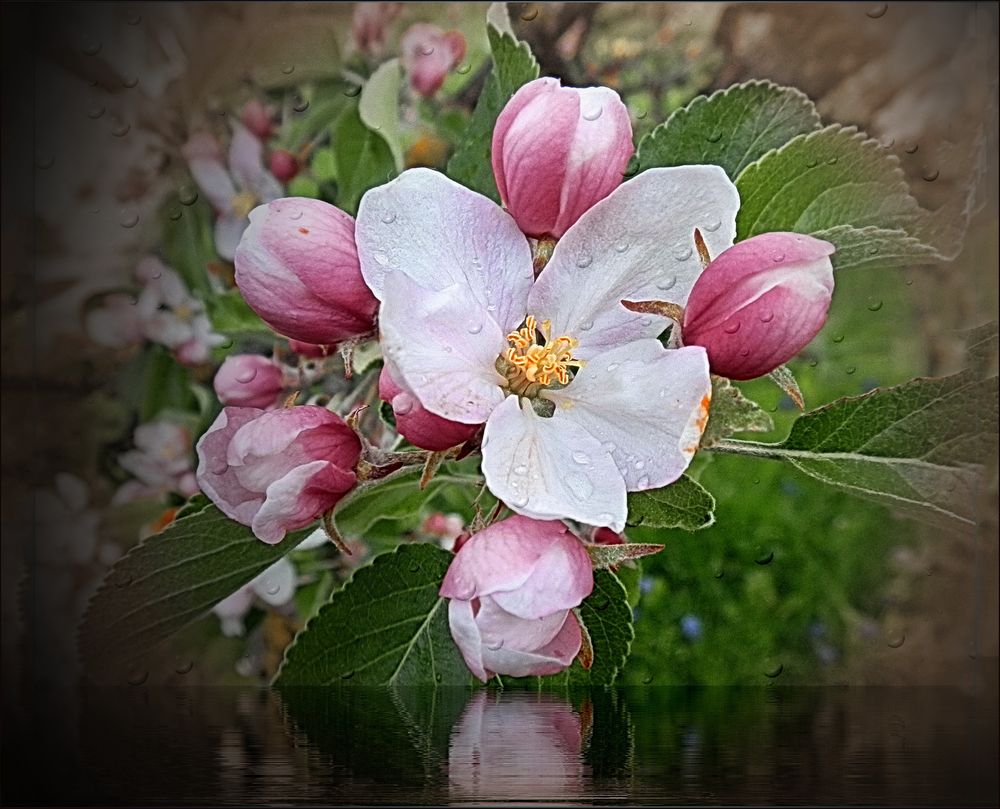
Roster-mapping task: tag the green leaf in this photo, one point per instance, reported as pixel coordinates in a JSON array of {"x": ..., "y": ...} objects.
[
  {"x": 682, "y": 504},
  {"x": 840, "y": 185},
  {"x": 153, "y": 382},
  {"x": 324, "y": 165},
  {"x": 325, "y": 107},
  {"x": 395, "y": 499},
  {"x": 189, "y": 244},
  {"x": 386, "y": 626},
  {"x": 731, "y": 412},
  {"x": 167, "y": 582},
  {"x": 364, "y": 159},
  {"x": 731, "y": 128},
  {"x": 303, "y": 186},
  {"x": 378, "y": 106},
  {"x": 921, "y": 447},
  {"x": 231, "y": 315},
  {"x": 513, "y": 66}
]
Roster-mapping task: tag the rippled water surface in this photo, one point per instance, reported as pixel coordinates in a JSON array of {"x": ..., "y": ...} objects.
[{"x": 142, "y": 746}]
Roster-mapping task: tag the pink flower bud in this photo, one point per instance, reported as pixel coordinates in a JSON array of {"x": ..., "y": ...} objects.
[
  {"x": 284, "y": 165},
  {"x": 249, "y": 380},
  {"x": 513, "y": 587},
  {"x": 428, "y": 53},
  {"x": 557, "y": 151},
  {"x": 277, "y": 471},
  {"x": 419, "y": 426},
  {"x": 759, "y": 303},
  {"x": 257, "y": 118},
  {"x": 309, "y": 350},
  {"x": 297, "y": 267}
]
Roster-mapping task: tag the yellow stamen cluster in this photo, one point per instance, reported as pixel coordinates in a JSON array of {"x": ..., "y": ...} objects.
[{"x": 541, "y": 364}]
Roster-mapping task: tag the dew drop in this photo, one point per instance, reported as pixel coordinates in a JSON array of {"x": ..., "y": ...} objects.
[
  {"x": 896, "y": 641},
  {"x": 587, "y": 325},
  {"x": 529, "y": 13},
  {"x": 715, "y": 137},
  {"x": 247, "y": 376},
  {"x": 288, "y": 70},
  {"x": 347, "y": 675},
  {"x": 766, "y": 317},
  {"x": 175, "y": 213},
  {"x": 767, "y": 558},
  {"x": 184, "y": 667},
  {"x": 519, "y": 500},
  {"x": 683, "y": 253},
  {"x": 931, "y": 175},
  {"x": 120, "y": 129},
  {"x": 713, "y": 226},
  {"x": 813, "y": 363},
  {"x": 581, "y": 458},
  {"x": 602, "y": 603},
  {"x": 911, "y": 148},
  {"x": 838, "y": 338},
  {"x": 496, "y": 648},
  {"x": 612, "y": 367},
  {"x": 832, "y": 161},
  {"x": 584, "y": 261},
  {"x": 621, "y": 246},
  {"x": 464, "y": 68},
  {"x": 92, "y": 48},
  {"x": 474, "y": 328},
  {"x": 300, "y": 104},
  {"x": 647, "y": 679},
  {"x": 95, "y": 112},
  {"x": 877, "y": 11},
  {"x": 296, "y": 214},
  {"x": 426, "y": 50},
  {"x": 774, "y": 672},
  {"x": 641, "y": 114},
  {"x": 719, "y": 574},
  {"x": 402, "y": 404},
  {"x": 521, "y": 469},
  {"x": 875, "y": 306},
  {"x": 274, "y": 589},
  {"x": 130, "y": 81},
  {"x": 887, "y": 142},
  {"x": 187, "y": 194},
  {"x": 353, "y": 91},
  {"x": 129, "y": 219},
  {"x": 732, "y": 328},
  {"x": 670, "y": 283},
  {"x": 908, "y": 282},
  {"x": 872, "y": 249},
  {"x": 851, "y": 370},
  {"x": 592, "y": 114},
  {"x": 640, "y": 464},
  {"x": 138, "y": 677},
  {"x": 811, "y": 163},
  {"x": 643, "y": 482},
  {"x": 388, "y": 217},
  {"x": 744, "y": 352}
]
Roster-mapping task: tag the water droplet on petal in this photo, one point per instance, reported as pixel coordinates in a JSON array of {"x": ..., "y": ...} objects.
[
  {"x": 496, "y": 648},
  {"x": 129, "y": 219},
  {"x": 896, "y": 641},
  {"x": 529, "y": 13},
  {"x": 713, "y": 226},
  {"x": 521, "y": 469},
  {"x": 612, "y": 367},
  {"x": 519, "y": 500},
  {"x": 584, "y": 261},
  {"x": 732, "y": 328},
  {"x": 766, "y": 558},
  {"x": 621, "y": 246},
  {"x": 288, "y": 70},
  {"x": 474, "y": 328},
  {"x": 832, "y": 161},
  {"x": 587, "y": 325},
  {"x": 247, "y": 375},
  {"x": 402, "y": 404},
  {"x": 643, "y": 482},
  {"x": 581, "y": 458},
  {"x": 766, "y": 317},
  {"x": 273, "y": 589},
  {"x": 592, "y": 114},
  {"x": 683, "y": 253},
  {"x": 669, "y": 283},
  {"x": 388, "y": 217},
  {"x": 911, "y": 148},
  {"x": 175, "y": 213},
  {"x": 777, "y": 258},
  {"x": 138, "y": 677},
  {"x": 931, "y": 175},
  {"x": 427, "y": 50},
  {"x": 120, "y": 129}
]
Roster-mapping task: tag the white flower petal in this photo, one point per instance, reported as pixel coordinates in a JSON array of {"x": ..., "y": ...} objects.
[
  {"x": 444, "y": 347},
  {"x": 636, "y": 244},
  {"x": 246, "y": 162},
  {"x": 551, "y": 468},
  {"x": 214, "y": 181},
  {"x": 228, "y": 232},
  {"x": 441, "y": 233},
  {"x": 276, "y": 585},
  {"x": 317, "y": 539},
  {"x": 645, "y": 404}
]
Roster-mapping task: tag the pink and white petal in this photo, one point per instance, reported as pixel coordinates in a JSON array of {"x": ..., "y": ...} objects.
[
  {"x": 445, "y": 345},
  {"x": 441, "y": 233},
  {"x": 550, "y": 659},
  {"x": 635, "y": 244},
  {"x": 645, "y": 404},
  {"x": 212, "y": 177},
  {"x": 228, "y": 232},
  {"x": 276, "y": 585},
  {"x": 499, "y": 627},
  {"x": 465, "y": 633},
  {"x": 500, "y": 557},
  {"x": 299, "y": 498},
  {"x": 246, "y": 157},
  {"x": 551, "y": 468},
  {"x": 563, "y": 577},
  {"x": 214, "y": 475}
]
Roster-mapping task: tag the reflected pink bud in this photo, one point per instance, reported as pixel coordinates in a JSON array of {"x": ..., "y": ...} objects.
[{"x": 428, "y": 53}]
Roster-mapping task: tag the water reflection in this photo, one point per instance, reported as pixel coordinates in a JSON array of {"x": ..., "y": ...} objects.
[{"x": 159, "y": 746}]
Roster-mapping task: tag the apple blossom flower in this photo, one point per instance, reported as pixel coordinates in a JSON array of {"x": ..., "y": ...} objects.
[
  {"x": 258, "y": 119},
  {"x": 428, "y": 53},
  {"x": 509, "y": 748},
  {"x": 557, "y": 151},
  {"x": 249, "y": 380},
  {"x": 369, "y": 23},
  {"x": 416, "y": 424},
  {"x": 172, "y": 316},
  {"x": 160, "y": 463},
  {"x": 759, "y": 303},
  {"x": 279, "y": 470},
  {"x": 275, "y": 586},
  {"x": 581, "y": 401},
  {"x": 115, "y": 322},
  {"x": 297, "y": 267},
  {"x": 233, "y": 190},
  {"x": 512, "y": 588}
]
